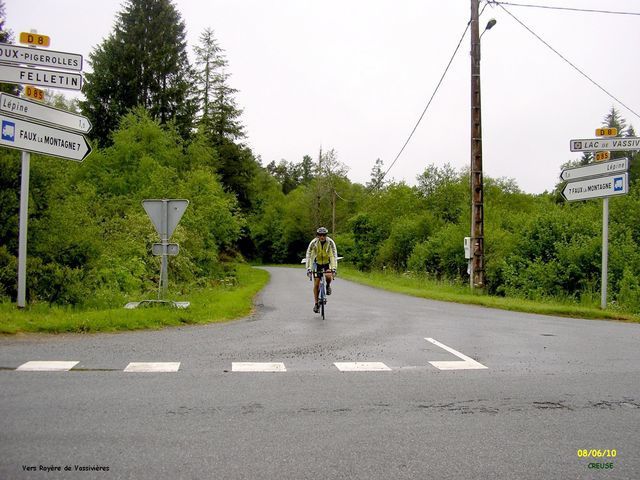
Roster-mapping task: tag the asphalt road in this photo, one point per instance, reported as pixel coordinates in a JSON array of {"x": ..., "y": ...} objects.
[{"x": 551, "y": 388}]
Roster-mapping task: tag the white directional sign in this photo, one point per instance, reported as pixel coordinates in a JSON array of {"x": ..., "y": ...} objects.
[
  {"x": 33, "y": 137},
  {"x": 167, "y": 220},
  {"x": 595, "y": 169},
  {"x": 43, "y": 78},
  {"x": 43, "y": 113},
  {"x": 596, "y": 144},
  {"x": 41, "y": 58},
  {"x": 597, "y": 187}
]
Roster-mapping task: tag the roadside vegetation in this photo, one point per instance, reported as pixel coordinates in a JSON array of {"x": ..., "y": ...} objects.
[
  {"x": 216, "y": 303},
  {"x": 173, "y": 130}
]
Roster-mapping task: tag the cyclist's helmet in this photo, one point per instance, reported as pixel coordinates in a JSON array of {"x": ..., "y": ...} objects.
[{"x": 322, "y": 231}]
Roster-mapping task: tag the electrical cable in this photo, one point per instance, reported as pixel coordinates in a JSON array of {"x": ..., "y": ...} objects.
[
  {"x": 563, "y": 8},
  {"x": 566, "y": 60},
  {"x": 428, "y": 104}
]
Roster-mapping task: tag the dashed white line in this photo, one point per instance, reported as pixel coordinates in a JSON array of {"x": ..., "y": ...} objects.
[
  {"x": 152, "y": 367},
  {"x": 46, "y": 366},
  {"x": 362, "y": 367},
  {"x": 258, "y": 367},
  {"x": 467, "y": 363}
]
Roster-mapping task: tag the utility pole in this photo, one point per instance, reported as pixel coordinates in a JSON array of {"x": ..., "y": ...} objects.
[{"x": 477, "y": 201}]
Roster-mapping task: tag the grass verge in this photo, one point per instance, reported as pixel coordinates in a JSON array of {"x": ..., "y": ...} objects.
[
  {"x": 425, "y": 288},
  {"x": 209, "y": 305}
]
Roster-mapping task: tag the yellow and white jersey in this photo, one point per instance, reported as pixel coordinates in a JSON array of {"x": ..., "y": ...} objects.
[{"x": 322, "y": 253}]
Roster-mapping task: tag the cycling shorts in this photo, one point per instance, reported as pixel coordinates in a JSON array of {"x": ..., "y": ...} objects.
[{"x": 321, "y": 268}]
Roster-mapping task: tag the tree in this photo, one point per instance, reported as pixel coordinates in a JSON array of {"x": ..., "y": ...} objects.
[
  {"x": 219, "y": 114},
  {"x": 142, "y": 63},
  {"x": 377, "y": 176},
  {"x": 6, "y": 36}
]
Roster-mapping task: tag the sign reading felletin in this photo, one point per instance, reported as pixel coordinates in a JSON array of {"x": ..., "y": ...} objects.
[
  {"x": 597, "y": 144},
  {"x": 597, "y": 187},
  {"x": 43, "y": 78},
  {"x": 40, "y": 58},
  {"x": 36, "y": 111},
  {"x": 32, "y": 137}
]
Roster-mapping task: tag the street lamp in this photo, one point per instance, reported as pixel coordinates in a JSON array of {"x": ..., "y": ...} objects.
[{"x": 477, "y": 277}]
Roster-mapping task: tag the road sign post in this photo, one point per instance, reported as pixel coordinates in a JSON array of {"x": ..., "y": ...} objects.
[
  {"x": 22, "y": 231},
  {"x": 600, "y": 180},
  {"x": 30, "y": 136},
  {"x": 165, "y": 215}
]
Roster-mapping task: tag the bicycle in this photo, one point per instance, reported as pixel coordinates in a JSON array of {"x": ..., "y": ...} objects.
[{"x": 322, "y": 290}]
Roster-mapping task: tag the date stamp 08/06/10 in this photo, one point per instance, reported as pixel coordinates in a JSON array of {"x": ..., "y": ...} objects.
[{"x": 602, "y": 457}]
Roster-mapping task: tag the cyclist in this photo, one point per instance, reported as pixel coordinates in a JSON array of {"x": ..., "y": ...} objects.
[{"x": 322, "y": 251}]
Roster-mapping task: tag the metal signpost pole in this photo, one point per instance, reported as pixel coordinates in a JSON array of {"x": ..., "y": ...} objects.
[
  {"x": 21, "y": 299},
  {"x": 605, "y": 251},
  {"x": 164, "y": 269},
  {"x": 22, "y": 233},
  {"x": 602, "y": 132}
]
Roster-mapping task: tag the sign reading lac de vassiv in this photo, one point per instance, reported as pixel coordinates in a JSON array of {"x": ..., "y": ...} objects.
[
  {"x": 596, "y": 144},
  {"x": 32, "y": 137}
]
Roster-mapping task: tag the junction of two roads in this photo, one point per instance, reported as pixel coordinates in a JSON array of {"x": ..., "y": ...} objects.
[{"x": 387, "y": 387}]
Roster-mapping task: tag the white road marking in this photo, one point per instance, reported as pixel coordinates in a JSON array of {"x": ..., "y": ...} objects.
[
  {"x": 51, "y": 366},
  {"x": 467, "y": 363},
  {"x": 362, "y": 367},
  {"x": 153, "y": 367},
  {"x": 257, "y": 367}
]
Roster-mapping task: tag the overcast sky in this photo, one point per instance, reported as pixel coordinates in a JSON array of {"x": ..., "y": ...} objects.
[{"x": 355, "y": 75}]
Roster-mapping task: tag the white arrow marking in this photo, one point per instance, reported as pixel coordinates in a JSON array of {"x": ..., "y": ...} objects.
[{"x": 467, "y": 363}]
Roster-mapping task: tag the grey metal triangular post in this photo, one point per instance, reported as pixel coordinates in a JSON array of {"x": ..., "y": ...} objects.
[{"x": 165, "y": 215}]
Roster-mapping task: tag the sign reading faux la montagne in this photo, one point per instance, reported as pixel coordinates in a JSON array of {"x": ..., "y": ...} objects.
[{"x": 33, "y": 137}]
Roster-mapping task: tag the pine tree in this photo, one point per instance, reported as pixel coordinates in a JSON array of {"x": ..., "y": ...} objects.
[
  {"x": 219, "y": 113},
  {"x": 142, "y": 63},
  {"x": 377, "y": 176}
]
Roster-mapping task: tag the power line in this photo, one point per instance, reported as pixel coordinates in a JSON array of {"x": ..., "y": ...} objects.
[
  {"x": 425, "y": 108},
  {"x": 569, "y": 62},
  {"x": 564, "y": 8}
]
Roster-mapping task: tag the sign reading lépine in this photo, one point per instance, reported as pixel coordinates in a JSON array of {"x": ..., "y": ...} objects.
[
  {"x": 618, "y": 165},
  {"x": 40, "y": 58},
  {"x": 32, "y": 137},
  {"x": 597, "y": 144},
  {"x": 35, "y": 39},
  {"x": 597, "y": 187},
  {"x": 43, "y": 78},
  {"x": 43, "y": 113}
]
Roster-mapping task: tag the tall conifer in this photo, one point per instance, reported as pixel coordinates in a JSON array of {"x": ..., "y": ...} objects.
[{"x": 142, "y": 63}]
